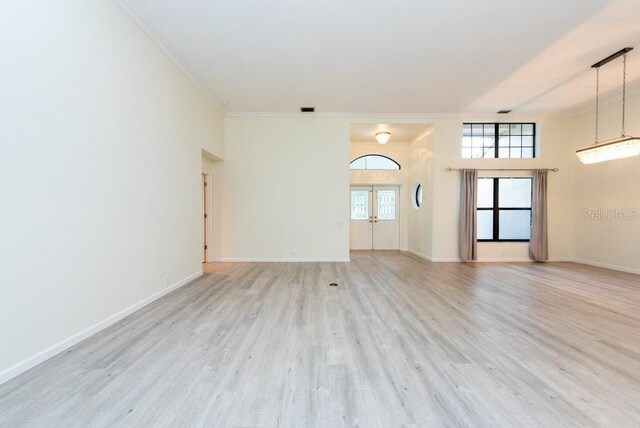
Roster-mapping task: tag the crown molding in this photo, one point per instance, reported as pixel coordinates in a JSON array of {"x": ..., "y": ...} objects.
[
  {"x": 605, "y": 102},
  {"x": 407, "y": 117},
  {"x": 131, "y": 12},
  {"x": 570, "y": 112}
]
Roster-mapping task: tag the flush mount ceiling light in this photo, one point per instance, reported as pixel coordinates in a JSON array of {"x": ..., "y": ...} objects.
[
  {"x": 617, "y": 148},
  {"x": 383, "y": 137}
]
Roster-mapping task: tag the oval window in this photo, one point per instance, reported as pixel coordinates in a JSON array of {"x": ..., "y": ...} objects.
[{"x": 417, "y": 195}]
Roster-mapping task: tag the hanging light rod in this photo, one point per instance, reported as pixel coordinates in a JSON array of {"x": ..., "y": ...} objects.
[
  {"x": 611, "y": 57},
  {"x": 625, "y": 146}
]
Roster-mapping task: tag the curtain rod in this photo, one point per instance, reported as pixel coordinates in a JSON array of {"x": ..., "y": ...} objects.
[{"x": 503, "y": 169}]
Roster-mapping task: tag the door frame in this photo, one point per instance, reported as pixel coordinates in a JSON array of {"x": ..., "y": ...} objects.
[
  {"x": 399, "y": 208},
  {"x": 396, "y": 189},
  {"x": 369, "y": 190},
  {"x": 207, "y": 223}
]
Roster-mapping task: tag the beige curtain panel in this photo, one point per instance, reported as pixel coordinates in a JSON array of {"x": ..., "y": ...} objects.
[
  {"x": 468, "y": 214},
  {"x": 538, "y": 247}
]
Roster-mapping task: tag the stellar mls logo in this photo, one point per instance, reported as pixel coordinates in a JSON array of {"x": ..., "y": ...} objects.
[{"x": 625, "y": 214}]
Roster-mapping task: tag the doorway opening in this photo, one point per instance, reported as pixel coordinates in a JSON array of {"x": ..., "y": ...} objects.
[
  {"x": 375, "y": 223},
  {"x": 206, "y": 218}
]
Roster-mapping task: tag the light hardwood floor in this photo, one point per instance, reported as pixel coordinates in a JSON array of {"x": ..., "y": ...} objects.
[{"x": 400, "y": 342}]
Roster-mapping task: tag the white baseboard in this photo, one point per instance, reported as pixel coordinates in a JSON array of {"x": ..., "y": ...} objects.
[
  {"x": 419, "y": 254},
  {"x": 523, "y": 260},
  {"x": 434, "y": 259},
  {"x": 561, "y": 259},
  {"x": 606, "y": 266},
  {"x": 40, "y": 357},
  {"x": 279, "y": 260}
]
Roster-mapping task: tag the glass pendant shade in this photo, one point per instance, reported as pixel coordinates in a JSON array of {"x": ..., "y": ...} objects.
[
  {"x": 618, "y": 148},
  {"x": 383, "y": 137}
]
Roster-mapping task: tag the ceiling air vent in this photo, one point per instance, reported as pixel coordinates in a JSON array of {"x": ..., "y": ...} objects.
[{"x": 307, "y": 109}]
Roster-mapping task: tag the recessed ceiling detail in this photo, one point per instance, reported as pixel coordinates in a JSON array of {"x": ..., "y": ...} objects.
[{"x": 438, "y": 57}]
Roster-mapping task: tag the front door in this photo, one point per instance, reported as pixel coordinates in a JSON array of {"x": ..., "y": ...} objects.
[{"x": 374, "y": 218}]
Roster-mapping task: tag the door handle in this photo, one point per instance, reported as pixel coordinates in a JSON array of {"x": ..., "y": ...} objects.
[
  {"x": 375, "y": 219},
  {"x": 370, "y": 219}
]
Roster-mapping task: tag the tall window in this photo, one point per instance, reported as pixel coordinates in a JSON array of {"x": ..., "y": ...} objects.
[
  {"x": 498, "y": 140},
  {"x": 374, "y": 162},
  {"x": 504, "y": 209}
]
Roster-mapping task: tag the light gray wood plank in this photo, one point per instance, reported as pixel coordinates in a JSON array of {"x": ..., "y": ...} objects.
[{"x": 401, "y": 342}]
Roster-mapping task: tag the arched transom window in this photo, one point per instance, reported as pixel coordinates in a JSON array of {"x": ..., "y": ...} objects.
[{"x": 374, "y": 162}]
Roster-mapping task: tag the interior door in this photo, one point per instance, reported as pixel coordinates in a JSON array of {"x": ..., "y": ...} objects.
[
  {"x": 361, "y": 227},
  {"x": 375, "y": 221},
  {"x": 386, "y": 223},
  {"x": 205, "y": 214}
]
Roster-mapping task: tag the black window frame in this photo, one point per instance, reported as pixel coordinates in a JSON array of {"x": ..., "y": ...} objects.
[
  {"x": 496, "y": 139},
  {"x": 374, "y": 169},
  {"x": 496, "y": 208}
]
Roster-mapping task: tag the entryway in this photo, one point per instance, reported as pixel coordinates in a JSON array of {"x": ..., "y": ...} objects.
[
  {"x": 375, "y": 221},
  {"x": 206, "y": 217}
]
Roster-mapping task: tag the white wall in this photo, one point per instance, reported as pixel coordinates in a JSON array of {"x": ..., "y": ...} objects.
[
  {"x": 266, "y": 159},
  {"x": 421, "y": 219},
  {"x": 100, "y": 159},
  {"x": 282, "y": 192},
  {"x": 398, "y": 151},
  {"x": 433, "y": 231},
  {"x": 600, "y": 237},
  {"x": 553, "y": 134}
]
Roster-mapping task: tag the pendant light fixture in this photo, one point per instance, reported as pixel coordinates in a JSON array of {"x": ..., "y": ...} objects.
[
  {"x": 617, "y": 148},
  {"x": 383, "y": 137}
]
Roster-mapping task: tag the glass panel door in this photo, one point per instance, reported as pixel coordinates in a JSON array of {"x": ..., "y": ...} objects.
[
  {"x": 386, "y": 222},
  {"x": 360, "y": 204},
  {"x": 386, "y": 200},
  {"x": 361, "y": 225}
]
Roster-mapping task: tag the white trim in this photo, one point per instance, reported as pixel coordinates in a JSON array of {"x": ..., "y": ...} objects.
[
  {"x": 449, "y": 259},
  {"x": 521, "y": 260},
  {"x": 129, "y": 10},
  {"x": 279, "y": 260},
  {"x": 376, "y": 185},
  {"x": 574, "y": 111},
  {"x": 42, "y": 356},
  {"x": 433, "y": 259},
  {"x": 409, "y": 117},
  {"x": 210, "y": 238},
  {"x": 422, "y": 256},
  {"x": 606, "y": 266},
  {"x": 588, "y": 107},
  {"x": 561, "y": 259}
]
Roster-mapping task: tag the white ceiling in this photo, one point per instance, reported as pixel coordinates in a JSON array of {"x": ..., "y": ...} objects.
[
  {"x": 400, "y": 132},
  {"x": 407, "y": 56}
]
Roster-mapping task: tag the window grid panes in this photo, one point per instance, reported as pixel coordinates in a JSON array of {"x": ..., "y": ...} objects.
[
  {"x": 374, "y": 162},
  {"x": 359, "y": 205},
  {"x": 498, "y": 140},
  {"x": 386, "y": 204},
  {"x": 504, "y": 209}
]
